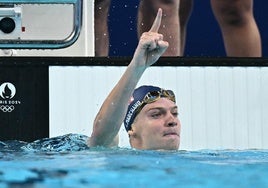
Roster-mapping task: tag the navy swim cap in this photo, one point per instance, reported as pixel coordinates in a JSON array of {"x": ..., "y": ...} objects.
[{"x": 136, "y": 101}]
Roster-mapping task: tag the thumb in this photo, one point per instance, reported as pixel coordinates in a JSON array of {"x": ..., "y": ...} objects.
[{"x": 162, "y": 46}]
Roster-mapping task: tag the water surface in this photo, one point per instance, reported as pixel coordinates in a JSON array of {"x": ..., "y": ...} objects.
[{"x": 66, "y": 161}]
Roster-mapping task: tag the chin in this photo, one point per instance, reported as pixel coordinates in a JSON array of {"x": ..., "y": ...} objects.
[
  {"x": 162, "y": 147},
  {"x": 167, "y": 144},
  {"x": 174, "y": 146}
]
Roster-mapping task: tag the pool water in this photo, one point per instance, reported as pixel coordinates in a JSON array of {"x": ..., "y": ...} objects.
[{"x": 66, "y": 161}]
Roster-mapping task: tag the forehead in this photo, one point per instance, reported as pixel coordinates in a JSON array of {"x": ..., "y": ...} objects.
[{"x": 160, "y": 103}]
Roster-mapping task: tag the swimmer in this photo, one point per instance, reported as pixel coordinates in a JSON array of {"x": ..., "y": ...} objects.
[{"x": 149, "y": 113}]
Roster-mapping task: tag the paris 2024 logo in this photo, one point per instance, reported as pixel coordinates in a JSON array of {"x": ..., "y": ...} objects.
[{"x": 7, "y": 93}]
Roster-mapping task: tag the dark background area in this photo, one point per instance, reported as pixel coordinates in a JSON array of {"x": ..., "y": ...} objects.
[
  {"x": 29, "y": 120},
  {"x": 203, "y": 37}
]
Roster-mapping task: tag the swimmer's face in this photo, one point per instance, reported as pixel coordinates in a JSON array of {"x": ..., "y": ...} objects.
[{"x": 156, "y": 127}]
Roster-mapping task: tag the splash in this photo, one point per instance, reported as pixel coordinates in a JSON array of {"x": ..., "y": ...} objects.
[{"x": 65, "y": 143}]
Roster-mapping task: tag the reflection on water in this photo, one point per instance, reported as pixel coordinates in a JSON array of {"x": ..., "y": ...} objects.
[{"x": 66, "y": 161}]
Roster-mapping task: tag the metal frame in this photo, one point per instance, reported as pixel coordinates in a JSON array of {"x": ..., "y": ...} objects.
[{"x": 46, "y": 44}]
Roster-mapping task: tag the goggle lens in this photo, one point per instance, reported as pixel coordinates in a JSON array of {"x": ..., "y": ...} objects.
[{"x": 155, "y": 95}]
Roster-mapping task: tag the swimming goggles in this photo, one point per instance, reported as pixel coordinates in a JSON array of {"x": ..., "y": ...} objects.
[{"x": 154, "y": 96}]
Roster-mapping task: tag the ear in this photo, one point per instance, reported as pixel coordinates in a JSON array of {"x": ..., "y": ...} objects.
[
  {"x": 134, "y": 138},
  {"x": 132, "y": 132}
]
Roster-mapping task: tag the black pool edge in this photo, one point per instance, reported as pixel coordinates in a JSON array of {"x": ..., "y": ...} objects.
[{"x": 124, "y": 61}]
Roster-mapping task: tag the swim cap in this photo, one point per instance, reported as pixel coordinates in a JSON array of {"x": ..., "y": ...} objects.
[{"x": 136, "y": 101}]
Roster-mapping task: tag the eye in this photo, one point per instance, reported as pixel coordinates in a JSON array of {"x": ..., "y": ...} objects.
[
  {"x": 175, "y": 114},
  {"x": 155, "y": 114}
]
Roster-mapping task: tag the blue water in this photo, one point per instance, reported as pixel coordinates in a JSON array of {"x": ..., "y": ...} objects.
[{"x": 66, "y": 161}]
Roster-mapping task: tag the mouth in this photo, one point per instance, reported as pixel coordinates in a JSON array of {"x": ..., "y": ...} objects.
[{"x": 171, "y": 134}]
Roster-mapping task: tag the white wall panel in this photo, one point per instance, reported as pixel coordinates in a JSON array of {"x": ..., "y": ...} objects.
[
  {"x": 254, "y": 103},
  {"x": 219, "y": 107},
  {"x": 212, "y": 113},
  {"x": 226, "y": 108},
  {"x": 263, "y": 106}
]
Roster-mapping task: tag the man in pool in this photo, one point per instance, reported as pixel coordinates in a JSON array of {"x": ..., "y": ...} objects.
[{"x": 149, "y": 113}]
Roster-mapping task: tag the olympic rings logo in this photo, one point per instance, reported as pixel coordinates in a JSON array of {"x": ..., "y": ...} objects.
[{"x": 7, "y": 108}]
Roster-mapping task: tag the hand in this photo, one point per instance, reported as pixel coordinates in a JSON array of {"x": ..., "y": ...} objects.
[{"x": 151, "y": 45}]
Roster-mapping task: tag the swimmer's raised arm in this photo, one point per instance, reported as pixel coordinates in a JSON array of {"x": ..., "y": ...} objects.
[{"x": 111, "y": 115}]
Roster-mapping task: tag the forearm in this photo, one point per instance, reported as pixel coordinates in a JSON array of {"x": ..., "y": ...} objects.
[{"x": 110, "y": 117}]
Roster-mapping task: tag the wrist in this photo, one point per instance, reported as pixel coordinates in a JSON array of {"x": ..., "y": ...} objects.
[{"x": 137, "y": 67}]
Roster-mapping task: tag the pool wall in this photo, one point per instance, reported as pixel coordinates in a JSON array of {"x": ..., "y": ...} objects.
[
  {"x": 222, "y": 102},
  {"x": 219, "y": 107}
]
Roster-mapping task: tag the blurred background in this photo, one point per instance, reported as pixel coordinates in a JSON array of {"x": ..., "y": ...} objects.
[{"x": 203, "y": 37}]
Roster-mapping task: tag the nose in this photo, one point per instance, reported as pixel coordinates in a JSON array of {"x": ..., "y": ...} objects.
[
  {"x": 172, "y": 124},
  {"x": 171, "y": 120}
]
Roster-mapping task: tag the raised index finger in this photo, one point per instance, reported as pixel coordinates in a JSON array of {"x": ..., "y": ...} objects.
[{"x": 157, "y": 21}]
